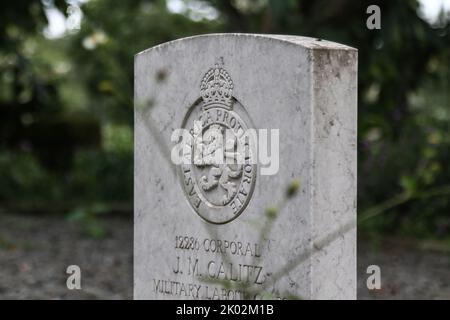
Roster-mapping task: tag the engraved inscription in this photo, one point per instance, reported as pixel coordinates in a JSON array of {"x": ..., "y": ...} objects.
[
  {"x": 219, "y": 176},
  {"x": 202, "y": 261}
]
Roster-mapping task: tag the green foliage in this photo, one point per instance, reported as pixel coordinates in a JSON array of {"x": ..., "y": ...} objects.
[
  {"x": 104, "y": 49},
  {"x": 293, "y": 189},
  {"x": 271, "y": 212},
  {"x": 67, "y": 107},
  {"x": 87, "y": 217}
]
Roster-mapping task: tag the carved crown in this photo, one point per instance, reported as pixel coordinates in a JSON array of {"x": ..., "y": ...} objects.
[{"x": 217, "y": 88}]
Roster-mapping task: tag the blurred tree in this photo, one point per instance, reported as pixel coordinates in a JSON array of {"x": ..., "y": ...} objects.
[
  {"x": 104, "y": 48},
  {"x": 404, "y": 111},
  {"x": 30, "y": 105}
]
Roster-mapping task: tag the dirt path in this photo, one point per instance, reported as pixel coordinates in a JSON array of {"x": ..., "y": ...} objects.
[
  {"x": 35, "y": 252},
  {"x": 408, "y": 270}
]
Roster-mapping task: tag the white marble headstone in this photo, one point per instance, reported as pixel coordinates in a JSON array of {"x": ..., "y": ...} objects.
[{"x": 229, "y": 231}]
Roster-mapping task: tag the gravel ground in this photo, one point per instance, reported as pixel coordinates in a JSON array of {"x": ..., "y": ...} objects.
[
  {"x": 35, "y": 252},
  {"x": 409, "y": 270}
]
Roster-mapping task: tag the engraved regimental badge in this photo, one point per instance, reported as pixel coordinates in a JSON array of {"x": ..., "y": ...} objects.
[{"x": 219, "y": 171}]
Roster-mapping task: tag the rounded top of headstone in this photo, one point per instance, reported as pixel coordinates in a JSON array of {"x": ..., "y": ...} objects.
[{"x": 304, "y": 42}]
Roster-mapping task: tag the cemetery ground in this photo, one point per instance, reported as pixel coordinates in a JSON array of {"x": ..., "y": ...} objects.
[{"x": 36, "y": 250}]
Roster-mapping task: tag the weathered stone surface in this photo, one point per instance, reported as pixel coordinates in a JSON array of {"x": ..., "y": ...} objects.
[{"x": 304, "y": 87}]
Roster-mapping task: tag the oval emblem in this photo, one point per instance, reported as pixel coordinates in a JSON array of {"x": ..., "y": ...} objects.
[{"x": 219, "y": 176}]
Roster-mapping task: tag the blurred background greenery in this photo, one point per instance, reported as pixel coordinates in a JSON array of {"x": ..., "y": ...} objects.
[{"x": 66, "y": 100}]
